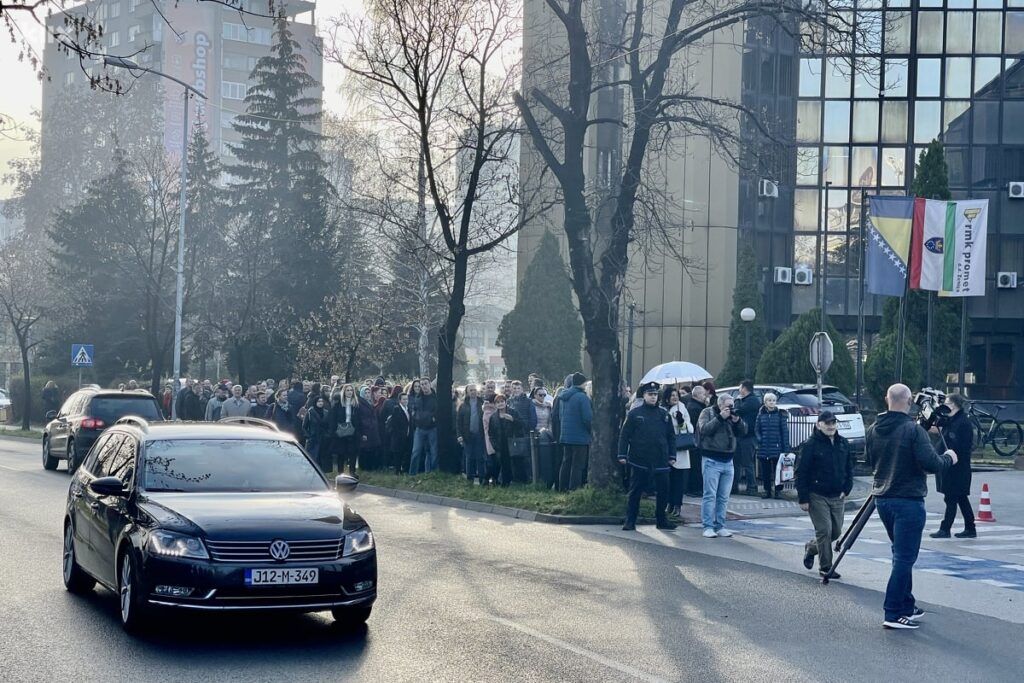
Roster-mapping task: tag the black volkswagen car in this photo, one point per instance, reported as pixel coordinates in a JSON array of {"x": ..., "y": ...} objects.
[{"x": 215, "y": 516}]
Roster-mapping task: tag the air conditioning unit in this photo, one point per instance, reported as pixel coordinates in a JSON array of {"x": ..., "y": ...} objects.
[
  {"x": 803, "y": 276},
  {"x": 1006, "y": 280},
  {"x": 783, "y": 275},
  {"x": 1016, "y": 190},
  {"x": 768, "y": 188}
]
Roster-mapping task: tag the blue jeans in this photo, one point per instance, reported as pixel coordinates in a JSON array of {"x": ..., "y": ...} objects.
[
  {"x": 717, "y": 485},
  {"x": 424, "y": 439},
  {"x": 904, "y": 520},
  {"x": 475, "y": 452}
]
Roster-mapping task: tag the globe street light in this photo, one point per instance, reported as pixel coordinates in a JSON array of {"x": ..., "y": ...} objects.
[
  {"x": 123, "y": 63},
  {"x": 747, "y": 315}
]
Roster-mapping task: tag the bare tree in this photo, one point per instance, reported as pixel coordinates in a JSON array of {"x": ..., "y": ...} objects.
[
  {"x": 26, "y": 299},
  {"x": 619, "y": 66},
  {"x": 445, "y": 72}
]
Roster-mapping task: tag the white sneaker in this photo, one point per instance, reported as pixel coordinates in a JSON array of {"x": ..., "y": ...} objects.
[
  {"x": 724, "y": 533},
  {"x": 710, "y": 533}
]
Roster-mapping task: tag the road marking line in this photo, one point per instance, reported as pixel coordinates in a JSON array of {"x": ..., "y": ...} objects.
[
  {"x": 944, "y": 572},
  {"x": 972, "y": 546},
  {"x": 998, "y": 584},
  {"x": 967, "y": 558},
  {"x": 1018, "y": 567},
  {"x": 600, "y": 659}
]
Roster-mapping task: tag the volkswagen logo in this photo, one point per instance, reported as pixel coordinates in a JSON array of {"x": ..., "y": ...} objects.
[{"x": 279, "y": 550}]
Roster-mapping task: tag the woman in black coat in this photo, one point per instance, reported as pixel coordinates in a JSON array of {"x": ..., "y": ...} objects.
[
  {"x": 344, "y": 424},
  {"x": 316, "y": 427},
  {"x": 503, "y": 426},
  {"x": 955, "y": 483}
]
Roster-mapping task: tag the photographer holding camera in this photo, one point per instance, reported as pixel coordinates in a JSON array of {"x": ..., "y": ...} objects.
[
  {"x": 950, "y": 420},
  {"x": 902, "y": 455}
]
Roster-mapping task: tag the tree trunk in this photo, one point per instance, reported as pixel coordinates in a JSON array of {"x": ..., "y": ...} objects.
[
  {"x": 449, "y": 460},
  {"x": 423, "y": 326},
  {"x": 26, "y": 413},
  {"x": 239, "y": 362},
  {"x": 158, "y": 372}
]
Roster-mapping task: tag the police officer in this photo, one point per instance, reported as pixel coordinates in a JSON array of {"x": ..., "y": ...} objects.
[{"x": 647, "y": 445}]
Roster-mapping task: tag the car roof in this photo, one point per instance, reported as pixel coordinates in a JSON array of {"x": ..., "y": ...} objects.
[
  {"x": 113, "y": 393},
  {"x": 786, "y": 387},
  {"x": 177, "y": 431}
]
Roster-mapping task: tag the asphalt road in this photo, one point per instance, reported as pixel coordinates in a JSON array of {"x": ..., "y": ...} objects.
[{"x": 469, "y": 597}]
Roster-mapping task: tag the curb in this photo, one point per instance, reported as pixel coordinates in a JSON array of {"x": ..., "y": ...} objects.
[{"x": 475, "y": 506}]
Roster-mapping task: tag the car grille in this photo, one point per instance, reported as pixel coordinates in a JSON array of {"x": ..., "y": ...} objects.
[{"x": 259, "y": 551}]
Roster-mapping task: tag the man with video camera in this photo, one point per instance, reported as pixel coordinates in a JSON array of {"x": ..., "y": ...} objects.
[{"x": 902, "y": 455}]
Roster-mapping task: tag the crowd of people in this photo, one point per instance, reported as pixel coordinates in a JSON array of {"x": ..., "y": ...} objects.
[{"x": 381, "y": 425}]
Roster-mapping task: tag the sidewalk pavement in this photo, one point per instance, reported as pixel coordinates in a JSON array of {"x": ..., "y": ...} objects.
[{"x": 755, "y": 507}]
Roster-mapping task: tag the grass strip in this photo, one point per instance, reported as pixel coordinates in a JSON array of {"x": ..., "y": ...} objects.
[{"x": 586, "y": 501}]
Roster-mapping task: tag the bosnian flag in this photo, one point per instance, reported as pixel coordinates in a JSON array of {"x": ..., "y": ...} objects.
[{"x": 949, "y": 246}]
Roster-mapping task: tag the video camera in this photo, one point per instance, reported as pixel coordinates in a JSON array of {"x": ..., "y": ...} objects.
[{"x": 932, "y": 408}]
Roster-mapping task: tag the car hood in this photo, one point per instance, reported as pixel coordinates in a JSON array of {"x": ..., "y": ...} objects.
[{"x": 252, "y": 516}]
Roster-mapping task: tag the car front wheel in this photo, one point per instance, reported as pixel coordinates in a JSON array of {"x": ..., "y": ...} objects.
[
  {"x": 351, "y": 616},
  {"x": 134, "y": 614},
  {"x": 75, "y": 580},
  {"x": 49, "y": 461}
]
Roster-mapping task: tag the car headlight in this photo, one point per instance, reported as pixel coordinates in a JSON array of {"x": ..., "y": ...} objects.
[
  {"x": 358, "y": 542},
  {"x": 177, "y": 545}
]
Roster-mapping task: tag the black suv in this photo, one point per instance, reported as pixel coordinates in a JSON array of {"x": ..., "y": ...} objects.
[
  {"x": 215, "y": 516},
  {"x": 72, "y": 430}
]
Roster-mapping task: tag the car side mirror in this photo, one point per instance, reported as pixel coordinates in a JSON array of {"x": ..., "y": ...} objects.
[
  {"x": 50, "y": 414},
  {"x": 108, "y": 486},
  {"x": 345, "y": 483}
]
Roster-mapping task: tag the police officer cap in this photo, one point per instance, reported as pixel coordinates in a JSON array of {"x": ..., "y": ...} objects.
[{"x": 650, "y": 388}]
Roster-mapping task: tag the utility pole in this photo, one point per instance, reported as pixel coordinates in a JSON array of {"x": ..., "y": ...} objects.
[
  {"x": 629, "y": 344},
  {"x": 180, "y": 276}
]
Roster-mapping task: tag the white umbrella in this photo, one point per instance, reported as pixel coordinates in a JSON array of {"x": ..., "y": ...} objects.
[{"x": 675, "y": 372}]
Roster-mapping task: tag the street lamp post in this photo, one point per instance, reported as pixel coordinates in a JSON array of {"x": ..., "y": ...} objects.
[
  {"x": 747, "y": 315},
  {"x": 180, "y": 275}
]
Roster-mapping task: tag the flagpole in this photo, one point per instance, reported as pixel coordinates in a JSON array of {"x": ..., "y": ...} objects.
[
  {"x": 860, "y": 296},
  {"x": 963, "y": 344},
  {"x": 928, "y": 335}
]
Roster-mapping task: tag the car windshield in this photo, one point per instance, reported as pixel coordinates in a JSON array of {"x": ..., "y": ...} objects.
[
  {"x": 228, "y": 465},
  {"x": 112, "y": 408},
  {"x": 809, "y": 398}
]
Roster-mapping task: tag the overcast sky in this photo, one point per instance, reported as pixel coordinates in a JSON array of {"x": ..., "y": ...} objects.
[{"x": 22, "y": 91}]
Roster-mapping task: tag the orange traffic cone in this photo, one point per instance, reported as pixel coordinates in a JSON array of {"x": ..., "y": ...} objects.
[{"x": 985, "y": 506}]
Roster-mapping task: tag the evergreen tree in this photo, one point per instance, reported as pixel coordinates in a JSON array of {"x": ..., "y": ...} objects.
[
  {"x": 543, "y": 333},
  {"x": 880, "y": 367},
  {"x": 931, "y": 182},
  {"x": 280, "y": 182},
  {"x": 745, "y": 295},
  {"x": 787, "y": 359}
]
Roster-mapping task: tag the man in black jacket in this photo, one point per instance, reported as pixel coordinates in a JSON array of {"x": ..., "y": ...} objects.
[
  {"x": 824, "y": 478},
  {"x": 424, "y": 439},
  {"x": 647, "y": 445},
  {"x": 902, "y": 456},
  {"x": 747, "y": 406}
]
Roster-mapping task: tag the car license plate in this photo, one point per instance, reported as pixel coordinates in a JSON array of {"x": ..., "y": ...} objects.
[
  {"x": 280, "y": 577},
  {"x": 845, "y": 425}
]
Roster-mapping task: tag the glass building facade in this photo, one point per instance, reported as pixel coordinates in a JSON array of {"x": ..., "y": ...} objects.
[{"x": 859, "y": 116}]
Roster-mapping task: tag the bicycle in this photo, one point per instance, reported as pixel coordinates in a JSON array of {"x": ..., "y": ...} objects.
[{"x": 1005, "y": 436}]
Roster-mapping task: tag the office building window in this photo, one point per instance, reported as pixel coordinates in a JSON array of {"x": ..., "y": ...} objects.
[
  {"x": 115, "y": 10},
  {"x": 233, "y": 91},
  {"x": 69, "y": 79},
  {"x": 114, "y": 39},
  {"x": 133, "y": 32}
]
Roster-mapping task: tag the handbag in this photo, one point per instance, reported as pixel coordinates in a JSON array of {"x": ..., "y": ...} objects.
[
  {"x": 519, "y": 446},
  {"x": 344, "y": 430},
  {"x": 785, "y": 470},
  {"x": 684, "y": 441}
]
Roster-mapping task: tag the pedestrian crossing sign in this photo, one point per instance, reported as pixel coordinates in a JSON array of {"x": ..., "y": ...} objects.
[{"x": 81, "y": 355}]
